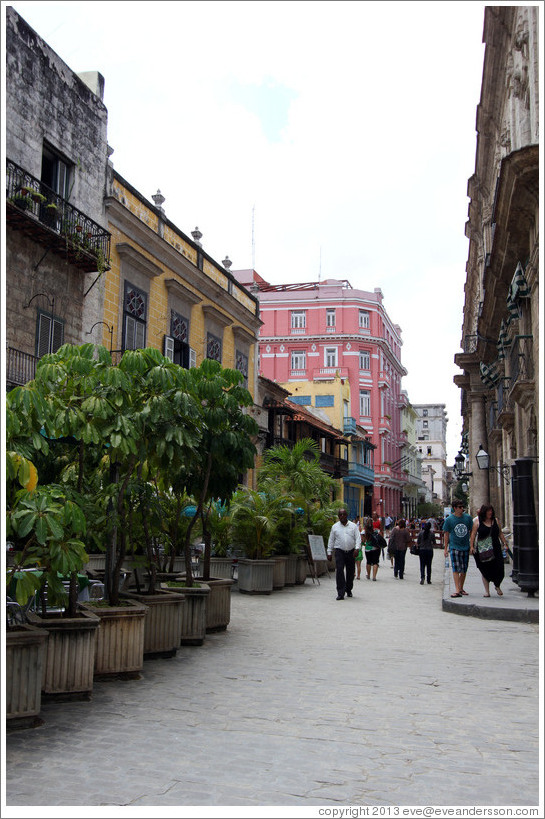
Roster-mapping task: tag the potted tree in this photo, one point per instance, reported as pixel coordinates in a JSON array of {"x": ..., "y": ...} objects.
[
  {"x": 46, "y": 523},
  {"x": 254, "y": 520}
]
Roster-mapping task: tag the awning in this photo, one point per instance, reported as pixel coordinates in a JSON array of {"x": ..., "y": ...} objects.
[
  {"x": 518, "y": 289},
  {"x": 489, "y": 374},
  {"x": 503, "y": 342}
]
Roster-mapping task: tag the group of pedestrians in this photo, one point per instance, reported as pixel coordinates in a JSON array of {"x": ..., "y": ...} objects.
[
  {"x": 350, "y": 543},
  {"x": 481, "y": 537},
  {"x": 463, "y": 536}
]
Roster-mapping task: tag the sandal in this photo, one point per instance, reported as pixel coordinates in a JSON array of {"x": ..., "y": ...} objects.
[
  {"x": 499, "y": 591},
  {"x": 456, "y": 594},
  {"x": 464, "y": 593},
  {"x": 486, "y": 595}
]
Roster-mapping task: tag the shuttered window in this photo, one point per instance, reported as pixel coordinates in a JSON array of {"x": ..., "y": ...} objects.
[{"x": 49, "y": 334}]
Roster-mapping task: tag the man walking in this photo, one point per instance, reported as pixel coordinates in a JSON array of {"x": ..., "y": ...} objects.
[
  {"x": 457, "y": 528},
  {"x": 345, "y": 538}
]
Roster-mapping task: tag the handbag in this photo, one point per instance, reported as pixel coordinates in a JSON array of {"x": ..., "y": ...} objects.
[
  {"x": 485, "y": 549},
  {"x": 414, "y": 550}
]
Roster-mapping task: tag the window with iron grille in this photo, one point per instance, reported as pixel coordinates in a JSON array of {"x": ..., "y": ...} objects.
[
  {"x": 134, "y": 318},
  {"x": 49, "y": 334},
  {"x": 178, "y": 346},
  {"x": 241, "y": 364},
  {"x": 213, "y": 347}
]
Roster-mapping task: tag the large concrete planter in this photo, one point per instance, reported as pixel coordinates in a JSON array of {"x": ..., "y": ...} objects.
[
  {"x": 301, "y": 570},
  {"x": 221, "y": 567},
  {"x": 25, "y": 656},
  {"x": 291, "y": 569},
  {"x": 70, "y": 654},
  {"x": 255, "y": 576},
  {"x": 218, "y": 603},
  {"x": 193, "y": 629},
  {"x": 163, "y": 622},
  {"x": 120, "y": 638},
  {"x": 97, "y": 563},
  {"x": 279, "y": 572}
]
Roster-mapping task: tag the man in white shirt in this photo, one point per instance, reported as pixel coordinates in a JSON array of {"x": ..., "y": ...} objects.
[{"x": 345, "y": 538}]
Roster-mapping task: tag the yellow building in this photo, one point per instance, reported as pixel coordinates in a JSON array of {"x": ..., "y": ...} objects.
[
  {"x": 164, "y": 291},
  {"x": 330, "y": 400}
]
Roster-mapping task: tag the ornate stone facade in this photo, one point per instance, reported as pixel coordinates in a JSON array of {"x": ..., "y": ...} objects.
[{"x": 500, "y": 342}]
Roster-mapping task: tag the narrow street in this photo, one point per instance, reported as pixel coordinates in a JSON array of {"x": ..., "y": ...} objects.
[{"x": 382, "y": 699}]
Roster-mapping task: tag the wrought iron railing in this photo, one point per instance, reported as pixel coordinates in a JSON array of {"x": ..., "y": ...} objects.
[
  {"x": 521, "y": 363},
  {"x": 36, "y": 199},
  {"x": 20, "y": 367},
  {"x": 505, "y": 403}
]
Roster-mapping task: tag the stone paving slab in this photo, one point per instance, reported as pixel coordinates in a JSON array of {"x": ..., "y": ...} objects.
[{"x": 383, "y": 699}]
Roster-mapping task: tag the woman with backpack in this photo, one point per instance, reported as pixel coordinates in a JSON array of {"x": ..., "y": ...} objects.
[
  {"x": 485, "y": 544},
  {"x": 425, "y": 543},
  {"x": 372, "y": 543}
]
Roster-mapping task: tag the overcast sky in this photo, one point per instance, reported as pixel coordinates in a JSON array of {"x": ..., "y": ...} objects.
[{"x": 309, "y": 140}]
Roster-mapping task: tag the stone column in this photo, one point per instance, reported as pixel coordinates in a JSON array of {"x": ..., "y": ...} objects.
[{"x": 479, "y": 486}]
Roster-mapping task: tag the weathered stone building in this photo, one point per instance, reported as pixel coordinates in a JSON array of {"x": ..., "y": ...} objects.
[
  {"x": 57, "y": 242},
  {"x": 500, "y": 341}
]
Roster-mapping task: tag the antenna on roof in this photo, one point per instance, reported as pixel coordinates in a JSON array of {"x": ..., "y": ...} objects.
[{"x": 320, "y": 270}]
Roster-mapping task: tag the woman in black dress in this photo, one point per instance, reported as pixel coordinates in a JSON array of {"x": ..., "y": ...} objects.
[{"x": 486, "y": 525}]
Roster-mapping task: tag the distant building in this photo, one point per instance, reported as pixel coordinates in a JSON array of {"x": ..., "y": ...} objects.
[
  {"x": 415, "y": 490},
  {"x": 336, "y": 349},
  {"x": 431, "y": 435}
]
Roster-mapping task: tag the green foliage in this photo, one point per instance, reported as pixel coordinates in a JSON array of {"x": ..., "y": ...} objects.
[{"x": 255, "y": 517}]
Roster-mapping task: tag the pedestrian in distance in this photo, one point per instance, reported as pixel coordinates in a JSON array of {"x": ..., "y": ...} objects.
[
  {"x": 359, "y": 553},
  {"x": 378, "y": 526},
  {"x": 372, "y": 544},
  {"x": 486, "y": 542},
  {"x": 457, "y": 528},
  {"x": 345, "y": 539},
  {"x": 400, "y": 540},
  {"x": 425, "y": 543}
]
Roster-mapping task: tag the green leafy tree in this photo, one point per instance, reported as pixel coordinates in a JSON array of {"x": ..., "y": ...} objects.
[{"x": 226, "y": 447}]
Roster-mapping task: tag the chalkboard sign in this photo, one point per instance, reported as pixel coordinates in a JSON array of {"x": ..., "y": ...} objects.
[{"x": 317, "y": 548}]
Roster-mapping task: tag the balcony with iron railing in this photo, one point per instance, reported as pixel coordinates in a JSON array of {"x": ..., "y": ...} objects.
[
  {"x": 521, "y": 362},
  {"x": 35, "y": 209},
  {"x": 20, "y": 367},
  {"x": 329, "y": 373},
  {"x": 360, "y": 474},
  {"x": 349, "y": 426}
]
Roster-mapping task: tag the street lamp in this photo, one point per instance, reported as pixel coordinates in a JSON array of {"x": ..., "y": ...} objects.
[{"x": 483, "y": 462}]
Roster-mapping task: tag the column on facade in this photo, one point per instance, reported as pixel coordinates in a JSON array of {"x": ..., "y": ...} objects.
[{"x": 479, "y": 483}]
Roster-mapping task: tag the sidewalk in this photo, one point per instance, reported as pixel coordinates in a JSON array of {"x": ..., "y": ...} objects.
[
  {"x": 513, "y": 605},
  {"x": 382, "y": 699}
]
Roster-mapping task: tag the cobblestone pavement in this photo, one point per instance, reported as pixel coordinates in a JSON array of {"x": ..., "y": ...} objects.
[{"x": 383, "y": 699}]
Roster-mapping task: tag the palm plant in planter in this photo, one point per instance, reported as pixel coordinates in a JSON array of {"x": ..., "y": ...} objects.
[{"x": 255, "y": 517}]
